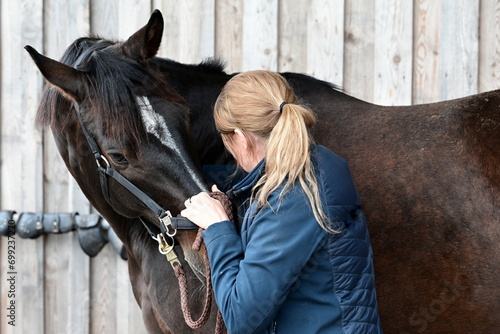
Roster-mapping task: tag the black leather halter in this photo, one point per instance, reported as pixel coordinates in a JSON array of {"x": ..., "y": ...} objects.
[
  {"x": 168, "y": 225},
  {"x": 164, "y": 232}
]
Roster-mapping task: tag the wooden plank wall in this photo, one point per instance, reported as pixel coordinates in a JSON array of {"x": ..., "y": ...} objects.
[{"x": 388, "y": 52}]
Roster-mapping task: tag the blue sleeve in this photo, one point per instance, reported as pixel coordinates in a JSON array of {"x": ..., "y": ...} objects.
[{"x": 251, "y": 284}]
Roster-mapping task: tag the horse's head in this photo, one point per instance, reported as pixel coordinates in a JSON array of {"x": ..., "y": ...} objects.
[{"x": 140, "y": 125}]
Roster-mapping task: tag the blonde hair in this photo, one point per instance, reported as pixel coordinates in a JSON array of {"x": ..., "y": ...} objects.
[{"x": 252, "y": 102}]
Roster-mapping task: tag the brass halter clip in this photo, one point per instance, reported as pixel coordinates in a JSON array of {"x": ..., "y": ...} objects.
[
  {"x": 166, "y": 222},
  {"x": 164, "y": 247},
  {"x": 167, "y": 249}
]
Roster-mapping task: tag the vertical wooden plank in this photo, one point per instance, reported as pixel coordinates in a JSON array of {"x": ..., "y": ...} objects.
[
  {"x": 67, "y": 284},
  {"x": 189, "y": 29},
  {"x": 427, "y": 41},
  {"x": 489, "y": 45},
  {"x": 79, "y": 303},
  {"x": 103, "y": 293},
  {"x": 359, "y": 49},
  {"x": 393, "y": 52},
  {"x": 172, "y": 32},
  {"x": 459, "y": 49},
  {"x": 260, "y": 35},
  {"x": 311, "y": 38},
  {"x": 325, "y": 42},
  {"x": 229, "y": 33},
  {"x": 446, "y": 50},
  {"x": 126, "y": 303},
  {"x": 104, "y": 18},
  {"x": 21, "y": 150},
  {"x": 132, "y": 15},
  {"x": 118, "y": 19},
  {"x": 110, "y": 298},
  {"x": 292, "y": 36},
  {"x": 113, "y": 307}
]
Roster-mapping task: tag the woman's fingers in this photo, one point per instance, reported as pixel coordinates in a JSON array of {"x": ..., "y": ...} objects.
[{"x": 203, "y": 210}]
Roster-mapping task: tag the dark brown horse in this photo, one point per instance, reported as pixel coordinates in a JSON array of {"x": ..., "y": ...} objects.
[{"x": 428, "y": 175}]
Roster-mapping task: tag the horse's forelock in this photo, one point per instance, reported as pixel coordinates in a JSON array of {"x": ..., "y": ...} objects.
[
  {"x": 117, "y": 81},
  {"x": 114, "y": 82},
  {"x": 54, "y": 107}
]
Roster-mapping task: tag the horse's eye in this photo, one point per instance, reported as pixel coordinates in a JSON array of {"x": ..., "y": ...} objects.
[{"x": 118, "y": 158}]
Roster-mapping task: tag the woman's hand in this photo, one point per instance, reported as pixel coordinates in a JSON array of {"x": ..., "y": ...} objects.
[{"x": 204, "y": 210}]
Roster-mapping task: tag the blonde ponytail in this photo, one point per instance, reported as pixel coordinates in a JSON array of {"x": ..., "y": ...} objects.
[{"x": 253, "y": 102}]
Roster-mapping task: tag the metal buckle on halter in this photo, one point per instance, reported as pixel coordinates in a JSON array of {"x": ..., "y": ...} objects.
[
  {"x": 167, "y": 249},
  {"x": 164, "y": 247},
  {"x": 167, "y": 224}
]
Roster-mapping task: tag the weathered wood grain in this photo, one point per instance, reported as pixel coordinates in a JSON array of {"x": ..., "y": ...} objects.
[
  {"x": 191, "y": 20},
  {"x": 393, "y": 53},
  {"x": 229, "y": 33},
  {"x": 383, "y": 51},
  {"x": 260, "y": 35},
  {"x": 67, "y": 297},
  {"x": 489, "y": 45},
  {"x": 21, "y": 157},
  {"x": 359, "y": 49},
  {"x": 446, "y": 50}
]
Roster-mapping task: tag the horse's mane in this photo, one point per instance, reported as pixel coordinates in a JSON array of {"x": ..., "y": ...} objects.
[
  {"x": 114, "y": 82},
  {"x": 209, "y": 66},
  {"x": 212, "y": 65}
]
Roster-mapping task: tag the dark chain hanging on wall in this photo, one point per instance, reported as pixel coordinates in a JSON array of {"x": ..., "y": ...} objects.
[{"x": 93, "y": 231}]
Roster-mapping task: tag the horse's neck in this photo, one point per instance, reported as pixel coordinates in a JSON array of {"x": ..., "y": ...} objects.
[{"x": 199, "y": 86}]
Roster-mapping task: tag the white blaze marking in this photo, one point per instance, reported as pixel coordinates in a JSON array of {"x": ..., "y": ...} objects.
[{"x": 156, "y": 125}]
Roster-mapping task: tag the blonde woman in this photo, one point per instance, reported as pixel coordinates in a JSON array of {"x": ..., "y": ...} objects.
[{"x": 298, "y": 260}]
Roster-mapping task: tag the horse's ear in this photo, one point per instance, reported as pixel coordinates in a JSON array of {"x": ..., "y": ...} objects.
[
  {"x": 67, "y": 79},
  {"x": 145, "y": 43}
]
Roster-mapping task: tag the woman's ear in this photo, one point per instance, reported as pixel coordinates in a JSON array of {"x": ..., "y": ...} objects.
[{"x": 241, "y": 139}]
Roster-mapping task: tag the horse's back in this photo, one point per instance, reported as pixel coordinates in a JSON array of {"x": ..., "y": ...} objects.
[{"x": 429, "y": 182}]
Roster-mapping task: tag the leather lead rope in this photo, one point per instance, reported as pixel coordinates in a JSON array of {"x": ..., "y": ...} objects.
[
  {"x": 181, "y": 276},
  {"x": 219, "y": 322}
]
